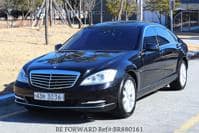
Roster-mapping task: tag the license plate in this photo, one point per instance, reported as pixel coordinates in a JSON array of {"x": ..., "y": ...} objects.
[{"x": 48, "y": 96}]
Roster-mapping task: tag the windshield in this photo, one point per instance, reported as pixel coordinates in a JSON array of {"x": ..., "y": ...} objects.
[{"x": 104, "y": 38}]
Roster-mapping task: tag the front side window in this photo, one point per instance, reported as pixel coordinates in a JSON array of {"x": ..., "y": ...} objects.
[
  {"x": 104, "y": 38},
  {"x": 150, "y": 37}
]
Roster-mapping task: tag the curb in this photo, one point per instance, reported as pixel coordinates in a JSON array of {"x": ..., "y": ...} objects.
[{"x": 7, "y": 99}]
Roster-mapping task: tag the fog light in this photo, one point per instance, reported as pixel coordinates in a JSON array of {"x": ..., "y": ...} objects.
[
  {"x": 20, "y": 98},
  {"x": 94, "y": 102}
]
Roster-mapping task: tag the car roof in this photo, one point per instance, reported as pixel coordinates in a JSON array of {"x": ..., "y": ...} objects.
[{"x": 137, "y": 24}]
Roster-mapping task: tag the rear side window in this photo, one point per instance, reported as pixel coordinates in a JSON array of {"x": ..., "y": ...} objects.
[
  {"x": 164, "y": 37},
  {"x": 149, "y": 37},
  {"x": 162, "y": 40}
]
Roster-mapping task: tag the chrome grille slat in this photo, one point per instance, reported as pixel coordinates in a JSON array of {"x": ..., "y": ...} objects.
[
  {"x": 38, "y": 75},
  {"x": 40, "y": 78},
  {"x": 42, "y": 85},
  {"x": 53, "y": 79},
  {"x": 55, "y": 76},
  {"x": 54, "y": 82},
  {"x": 35, "y": 80},
  {"x": 62, "y": 78},
  {"x": 58, "y": 85}
]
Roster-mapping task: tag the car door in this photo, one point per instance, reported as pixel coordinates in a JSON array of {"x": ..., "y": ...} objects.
[
  {"x": 168, "y": 51},
  {"x": 151, "y": 70}
]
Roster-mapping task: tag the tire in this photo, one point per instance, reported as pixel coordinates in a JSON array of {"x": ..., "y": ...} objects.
[
  {"x": 180, "y": 82},
  {"x": 126, "y": 94}
]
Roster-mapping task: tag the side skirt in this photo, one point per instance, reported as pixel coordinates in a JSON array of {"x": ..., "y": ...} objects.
[{"x": 156, "y": 86}]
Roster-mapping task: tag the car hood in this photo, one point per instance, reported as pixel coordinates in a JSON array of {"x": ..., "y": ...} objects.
[{"x": 73, "y": 60}]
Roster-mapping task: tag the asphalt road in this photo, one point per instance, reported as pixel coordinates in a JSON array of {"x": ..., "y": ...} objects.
[{"x": 161, "y": 112}]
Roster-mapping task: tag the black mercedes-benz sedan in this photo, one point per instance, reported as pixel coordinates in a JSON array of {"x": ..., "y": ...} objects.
[{"x": 104, "y": 68}]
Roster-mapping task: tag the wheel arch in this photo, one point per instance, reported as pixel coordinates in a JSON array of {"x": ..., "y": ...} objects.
[
  {"x": 186, "y": 61},
  {"x": 133, "y": 71},
  {"x": 135, "y": 76}
]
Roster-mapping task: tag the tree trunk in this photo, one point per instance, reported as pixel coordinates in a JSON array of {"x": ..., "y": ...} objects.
[
  {"x": 7, "y": 15},
  {"x": 79, "y": 13},
  {"x": 26, "y": 15},
  {"x": 39, "y": 14},
  {"x": 90, "y": 18},
  {"x": 71, "y": 8},
  {"x": 101, "y": 11},
  {"x": 46, "y": 21},
  {"x": 120, "y": 9},
  {"x": 85, "y": 17},
  {"x": 59, "y": 11},
  {"x": 50, "y": 12},
  {"x": 126, "y": 12},
  {"x": 23, "y": 16},
  {"x": 67, "y": 14}
]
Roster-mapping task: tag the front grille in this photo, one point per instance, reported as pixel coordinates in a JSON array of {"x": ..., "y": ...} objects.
[{"x": 53, "y": 79}]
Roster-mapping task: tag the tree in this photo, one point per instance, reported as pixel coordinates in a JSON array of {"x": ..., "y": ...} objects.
[
  {"x": 130, "y": 7},
  {"x": 7, "y": 6},
  {"x": 113, "y": 7},
  {"x": 1, "y": 4},
  {"x": 37, "y": 3},
  {"x": 119, "y": 7},
  {"x": 89, "y": 6},
  {"x": 24, "y": 6},
  {"x": 159, "y": 7}
]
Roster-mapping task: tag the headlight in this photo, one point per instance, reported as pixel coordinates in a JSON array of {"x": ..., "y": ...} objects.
[
  {"x": 22, "y": 76},
  {"x": 101, "y": 77}
]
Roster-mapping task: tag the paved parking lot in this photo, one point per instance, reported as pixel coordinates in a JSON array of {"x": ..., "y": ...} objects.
[{"x": 161, "y": 112}]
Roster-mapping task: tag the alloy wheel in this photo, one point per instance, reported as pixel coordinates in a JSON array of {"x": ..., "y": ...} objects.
[{"x": 128, "y": 99}]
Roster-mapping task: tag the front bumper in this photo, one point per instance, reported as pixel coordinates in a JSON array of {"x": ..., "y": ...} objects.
[{"x": 96, "y": 98}]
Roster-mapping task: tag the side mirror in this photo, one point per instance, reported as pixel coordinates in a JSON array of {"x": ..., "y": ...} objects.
[
  {"x": 152, "y": 47},
  {"x": 58, "y": 46}
]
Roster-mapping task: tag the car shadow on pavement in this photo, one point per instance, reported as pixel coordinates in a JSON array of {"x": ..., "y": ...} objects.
[
  {"x": 168, "y": 89},
  {"x": 8, "y": 88},
  {"x": 52, "y": 117}
]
